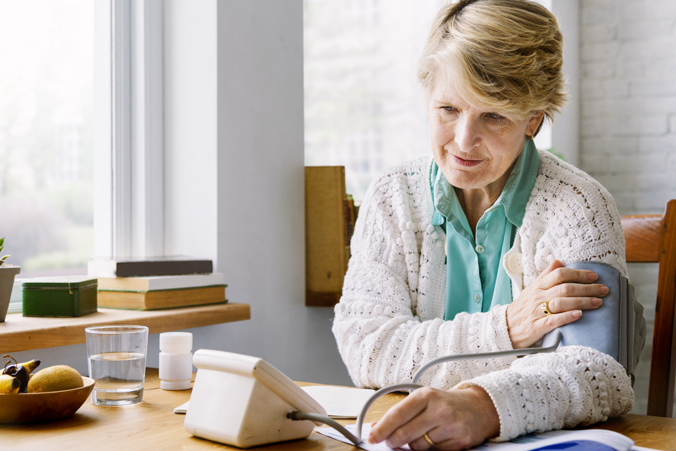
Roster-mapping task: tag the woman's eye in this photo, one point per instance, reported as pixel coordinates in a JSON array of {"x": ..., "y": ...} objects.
[
  {"x": 495, "y": 117},
  {"x": 449, "y": 109}
]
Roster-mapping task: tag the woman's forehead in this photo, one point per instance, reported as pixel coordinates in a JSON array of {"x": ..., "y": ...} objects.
[{"x": 447, "y": 90}]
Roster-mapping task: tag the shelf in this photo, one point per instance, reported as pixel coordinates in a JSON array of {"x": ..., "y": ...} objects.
[{"x": 23, "y": 334}]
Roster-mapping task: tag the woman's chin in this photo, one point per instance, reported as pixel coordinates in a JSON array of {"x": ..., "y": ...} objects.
[
  {"x": 468, "y": 185},
  {"x": 465, "y": 180}
]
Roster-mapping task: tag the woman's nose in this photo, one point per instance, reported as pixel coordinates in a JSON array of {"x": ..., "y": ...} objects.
[{"x": 466, "y": 134}]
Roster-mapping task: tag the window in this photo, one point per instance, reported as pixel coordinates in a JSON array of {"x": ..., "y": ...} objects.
[
  {"x": 363, "y": 107},
  {"x": 46, "y": 134},
  {"x": 80, "y": 133}
]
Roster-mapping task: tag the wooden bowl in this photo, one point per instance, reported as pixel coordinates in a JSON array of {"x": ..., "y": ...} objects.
[{"x": 43, "y": 407}]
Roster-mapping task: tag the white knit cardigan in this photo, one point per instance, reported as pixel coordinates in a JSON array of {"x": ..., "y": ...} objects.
[{"x": 390, "y": 318}]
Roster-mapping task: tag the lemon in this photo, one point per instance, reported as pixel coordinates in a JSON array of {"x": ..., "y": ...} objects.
[{"x": 55, "y": 378}]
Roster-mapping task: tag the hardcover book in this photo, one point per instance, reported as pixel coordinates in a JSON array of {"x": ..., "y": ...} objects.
[
  {"x": 154, "y": 283},
  {"x": 161, "y": 299},
  {"x": 144, "y": 267}
]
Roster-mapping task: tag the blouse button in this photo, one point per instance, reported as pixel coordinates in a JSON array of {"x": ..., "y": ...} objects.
[
  {"x": 515, "y": 263},
  {"x": 477, "y": 297},
  {"x": 480, "y": 249}
]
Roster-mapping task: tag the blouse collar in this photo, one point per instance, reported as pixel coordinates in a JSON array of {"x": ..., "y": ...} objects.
[{"x": 514, "y": 196}]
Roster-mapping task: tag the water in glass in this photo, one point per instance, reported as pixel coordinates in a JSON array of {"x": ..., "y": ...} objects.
[{"x": 118, "y": 376}]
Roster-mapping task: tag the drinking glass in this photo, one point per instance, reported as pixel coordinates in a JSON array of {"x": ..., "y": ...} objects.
[{"x": 117, "y": 362}]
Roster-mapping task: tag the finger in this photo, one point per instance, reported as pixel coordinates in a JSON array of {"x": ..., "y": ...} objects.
[
  {"x": 456, "y": 439},
  {"x": 422, "y": 444},
  {"x": 413, "y": 432},
  {"x": 559, "y": 305},
  {"x": 455, "y": 443},
  {"x": 397, "y": 416},
  {"x": 563, "y": 275},
  {"x": 552, "y": 266},
  {"x": 553, "y": 321},
  {"x": 576, "y": 290}
]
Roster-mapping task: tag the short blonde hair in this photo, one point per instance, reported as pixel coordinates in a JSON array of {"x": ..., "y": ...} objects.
[{"x": 505, "y": 54}]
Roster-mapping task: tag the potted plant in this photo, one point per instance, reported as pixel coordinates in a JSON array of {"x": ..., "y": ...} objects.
[{"x": 7, "y": 273}]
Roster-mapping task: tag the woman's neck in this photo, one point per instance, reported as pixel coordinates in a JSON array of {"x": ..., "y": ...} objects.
[{"x": 475, "y": 201}]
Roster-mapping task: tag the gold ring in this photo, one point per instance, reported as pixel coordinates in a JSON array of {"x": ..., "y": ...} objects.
[
  {"x": 545, "y": 308},
  {"x": 429, "y": 440}
]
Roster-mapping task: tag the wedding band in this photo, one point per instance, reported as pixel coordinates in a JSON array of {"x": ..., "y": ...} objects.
[
  {"x": 429, "y": 440},
  {"x": 545, "y": 308}
]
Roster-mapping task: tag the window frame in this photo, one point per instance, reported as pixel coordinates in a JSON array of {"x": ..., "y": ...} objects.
[{"x": 129, "y": 155}]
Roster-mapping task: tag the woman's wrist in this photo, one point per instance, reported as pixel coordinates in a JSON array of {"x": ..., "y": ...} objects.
[
  {"x": 512, "y": 329},
  {"x": 484, "y": 404}
]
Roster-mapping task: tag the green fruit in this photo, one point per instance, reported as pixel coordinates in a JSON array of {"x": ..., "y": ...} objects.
[{"x": 55, "y": 378}]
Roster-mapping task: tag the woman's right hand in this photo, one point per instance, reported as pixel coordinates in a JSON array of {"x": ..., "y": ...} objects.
[{"x": 569, "y": 291}]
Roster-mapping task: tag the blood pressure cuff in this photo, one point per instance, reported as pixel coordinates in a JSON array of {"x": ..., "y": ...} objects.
[{"x": 617, "y": 328}]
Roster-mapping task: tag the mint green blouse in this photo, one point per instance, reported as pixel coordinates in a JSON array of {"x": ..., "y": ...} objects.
[{"x": 475, "y": 279}]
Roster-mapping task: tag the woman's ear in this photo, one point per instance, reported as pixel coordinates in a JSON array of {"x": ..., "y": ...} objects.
[{"x": 535, "y": 124}]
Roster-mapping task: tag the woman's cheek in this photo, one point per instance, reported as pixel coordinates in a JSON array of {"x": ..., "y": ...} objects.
[{"x": 441, "y": 134}]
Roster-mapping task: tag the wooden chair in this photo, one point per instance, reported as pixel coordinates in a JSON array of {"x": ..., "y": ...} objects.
[{"x": 652, "y": 238}]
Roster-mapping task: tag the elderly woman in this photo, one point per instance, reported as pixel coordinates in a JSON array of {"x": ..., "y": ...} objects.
[{"x": 465, "y": 252}]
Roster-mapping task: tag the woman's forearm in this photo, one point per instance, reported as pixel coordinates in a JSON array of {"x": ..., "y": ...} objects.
[{"x": 573, "y": 386}]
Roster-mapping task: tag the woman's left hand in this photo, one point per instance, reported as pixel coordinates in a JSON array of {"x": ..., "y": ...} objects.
[{"x": 453, "y": 419}]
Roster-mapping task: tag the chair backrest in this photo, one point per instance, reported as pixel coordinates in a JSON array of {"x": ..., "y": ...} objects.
[{"x": 653, "y": 239}]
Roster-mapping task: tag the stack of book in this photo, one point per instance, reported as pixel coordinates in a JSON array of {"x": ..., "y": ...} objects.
[{"x": 155, "y": 284}]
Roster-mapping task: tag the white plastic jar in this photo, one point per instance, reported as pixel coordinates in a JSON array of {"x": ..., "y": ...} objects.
[{"x": 175, "y": 360}]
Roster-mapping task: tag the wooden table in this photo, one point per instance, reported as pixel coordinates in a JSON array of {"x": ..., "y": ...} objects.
[
  {"x": 152, "y": 425},
  {"x": 20, "y": 333}
]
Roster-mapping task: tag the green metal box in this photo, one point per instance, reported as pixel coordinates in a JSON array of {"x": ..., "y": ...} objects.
[{"x": 59, "y": 296}]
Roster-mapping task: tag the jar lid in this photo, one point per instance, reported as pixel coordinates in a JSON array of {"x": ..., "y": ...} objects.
[{"x": 176, "y": 342}]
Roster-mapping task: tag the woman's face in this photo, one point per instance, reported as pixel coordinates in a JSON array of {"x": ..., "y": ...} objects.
[{"x": 475, "y": 148}]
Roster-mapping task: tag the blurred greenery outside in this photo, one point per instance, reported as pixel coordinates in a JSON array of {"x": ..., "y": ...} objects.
[{"x": 46, "y": 135}]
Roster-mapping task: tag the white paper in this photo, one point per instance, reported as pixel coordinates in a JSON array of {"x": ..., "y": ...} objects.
[
  {"x": 182, "y": 409},
  {"x": 339, "y": 402},
  {"x": 536, "y": 441},
  {"x": 366, "y": 430},
  {"x": 523, "y": 443}
]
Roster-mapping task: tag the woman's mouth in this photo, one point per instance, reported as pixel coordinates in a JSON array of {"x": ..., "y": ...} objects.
[{"x": 466, "y": 162}]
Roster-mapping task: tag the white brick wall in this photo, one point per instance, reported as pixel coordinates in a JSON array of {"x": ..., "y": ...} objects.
[{"x": 628, "y": 117}]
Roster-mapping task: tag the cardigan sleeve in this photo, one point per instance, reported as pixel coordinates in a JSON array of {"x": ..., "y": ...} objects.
[
  {"x": 380, "y": 337},
  {"x": 574, "y": 386}
]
